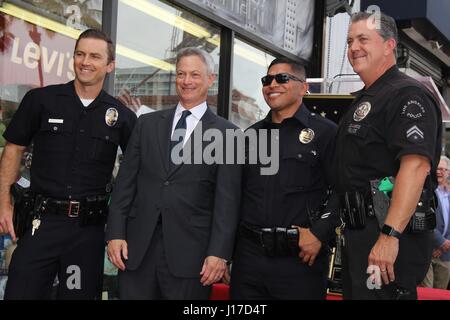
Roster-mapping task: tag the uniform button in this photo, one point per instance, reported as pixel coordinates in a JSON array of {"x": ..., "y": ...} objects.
[
  {"x": 81, "y": 130},
  {"x": 166, "y": 183},
  {"x": 55, "y": 128},
  {"x": 299, "y": 155},
  {"x": 107, "y": 137}
]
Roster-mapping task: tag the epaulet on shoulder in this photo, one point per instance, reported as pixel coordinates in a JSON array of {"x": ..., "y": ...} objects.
[
  {"x": 256, "y": 125},
  {"x": 53, "y": 88},
  {"x": 321, "y": 121},
  {"x": 406, "y": 81}
]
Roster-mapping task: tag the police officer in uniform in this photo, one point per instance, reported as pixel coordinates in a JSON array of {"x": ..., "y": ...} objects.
[
  {"x": 392, "y": 130},
  {"x": 270, "y": 260},
  {"x": 76, "y": 129}
]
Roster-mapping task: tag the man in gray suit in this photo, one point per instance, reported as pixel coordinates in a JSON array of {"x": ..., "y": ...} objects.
[
  {"x": 171, "y": 226},
  {"x": 438, "y": 275}
]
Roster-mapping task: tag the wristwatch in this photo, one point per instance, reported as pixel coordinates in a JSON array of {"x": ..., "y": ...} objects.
[{"x": 388, "y": 230}]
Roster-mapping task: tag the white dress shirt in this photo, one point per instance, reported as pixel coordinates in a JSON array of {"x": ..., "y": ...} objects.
[{"x": 192, "y": 120}]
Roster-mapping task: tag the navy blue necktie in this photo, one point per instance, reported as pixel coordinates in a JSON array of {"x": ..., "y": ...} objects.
[{"x": 181, "y": 124}]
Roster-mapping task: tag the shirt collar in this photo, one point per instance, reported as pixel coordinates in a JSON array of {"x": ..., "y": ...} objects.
[
  {"x": 443, "y": 189},
  {"x": 197, "y": 111},
  {"x": 302, "y": 115},
  {"x": 379, "y": 83},
  {"x": 68, "y": 89}
]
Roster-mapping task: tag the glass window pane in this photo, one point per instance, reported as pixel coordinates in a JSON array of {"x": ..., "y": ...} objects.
[
  {"x": 149, "y": 35},
  {"x": 77, "y": 14},
  {"x": 287, "y": 24},
  {"x": 249, "y": 65},
  {"x": 37, "y": 40}
]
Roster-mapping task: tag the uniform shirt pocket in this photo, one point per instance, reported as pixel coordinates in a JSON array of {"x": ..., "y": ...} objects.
[
  {"x": 357, "y": 130},
  {"x": 104, "y": 144},
  {"x": 53, "y": 136},
  {"x": 296, "y": 169}
]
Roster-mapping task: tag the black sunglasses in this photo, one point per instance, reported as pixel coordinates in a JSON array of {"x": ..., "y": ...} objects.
[{"x": 279, "y": 78}]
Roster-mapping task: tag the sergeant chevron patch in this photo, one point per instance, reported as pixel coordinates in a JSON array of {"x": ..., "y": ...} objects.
[{"x": 415, "y": 135}]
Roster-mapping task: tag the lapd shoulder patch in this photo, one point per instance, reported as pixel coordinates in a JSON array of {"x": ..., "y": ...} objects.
[
  {"x": 415, "y": 135},
  {"x": 413, "y": 109}
]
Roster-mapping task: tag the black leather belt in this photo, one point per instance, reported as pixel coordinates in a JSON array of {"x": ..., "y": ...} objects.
[
  {"x": 73, "y": 208},
  {"x": 255, "y": 235},
  {"x": 276, "y": 241}
]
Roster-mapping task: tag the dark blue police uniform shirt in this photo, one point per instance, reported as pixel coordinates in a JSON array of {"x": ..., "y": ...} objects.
[
  {"x": 304, "y": 175},
  {"x": 74, "y": 147},
  {"x": 395, "y": 116}
]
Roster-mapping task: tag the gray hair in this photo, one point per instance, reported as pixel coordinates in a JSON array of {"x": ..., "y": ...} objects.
[
  {"x": 447, "y": 160},
  {"x": 388, "y": 28},
  {"x": 202, "y": 54}
]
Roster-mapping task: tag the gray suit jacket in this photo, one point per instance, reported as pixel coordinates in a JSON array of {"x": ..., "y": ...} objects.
[
  {"x": 199, "y": 204},
  {"x": 439, "y": 237}
]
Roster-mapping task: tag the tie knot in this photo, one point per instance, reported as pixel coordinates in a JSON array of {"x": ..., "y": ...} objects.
[{"x": 185, "y": 114}]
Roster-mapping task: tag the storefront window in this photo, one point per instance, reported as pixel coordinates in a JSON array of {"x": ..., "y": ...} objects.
[
  {"x": 79, "y": 14},
  {"x": 287, "y": 24},
  {"x": 37, "y": 39},
  {"x": 249, "y": 65},
  {"x": 149, "y": 35}
]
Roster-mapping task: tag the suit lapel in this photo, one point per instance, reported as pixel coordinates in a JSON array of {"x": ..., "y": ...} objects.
[
  {"x": 164, "y": 131},
  {"x": 207, "y": 121}
]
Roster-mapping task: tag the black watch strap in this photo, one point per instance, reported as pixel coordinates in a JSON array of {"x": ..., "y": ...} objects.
[{"x": 388, "y": 230}]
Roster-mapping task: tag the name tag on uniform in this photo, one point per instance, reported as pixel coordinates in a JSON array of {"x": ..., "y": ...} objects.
[{"x": 55, "y": 120}]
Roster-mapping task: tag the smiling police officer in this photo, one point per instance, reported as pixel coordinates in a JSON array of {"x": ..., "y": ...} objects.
[
  {"x": 281, "y": 250},
  {"x": 392, "y": 130},
  {"x": 76, "y": 129}
]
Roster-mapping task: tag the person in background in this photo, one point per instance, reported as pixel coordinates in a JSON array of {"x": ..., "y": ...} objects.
[{"x": 438, "y": 275}]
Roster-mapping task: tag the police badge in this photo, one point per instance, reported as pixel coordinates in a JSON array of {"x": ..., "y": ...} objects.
[
  {"x": 111, "y": 116},
  {"x": 306, "y": 135},
  {"x": 362, "y": 111}
]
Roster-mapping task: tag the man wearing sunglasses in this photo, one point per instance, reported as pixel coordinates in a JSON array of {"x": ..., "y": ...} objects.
[{"x": 271, "y": 261}]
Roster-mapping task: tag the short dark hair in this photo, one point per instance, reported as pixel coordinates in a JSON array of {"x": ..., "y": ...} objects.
[
  {"x": 97, "y": 34},
  {"x": 296, "y": 67},
  {"x": 388, "y": 28}
]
